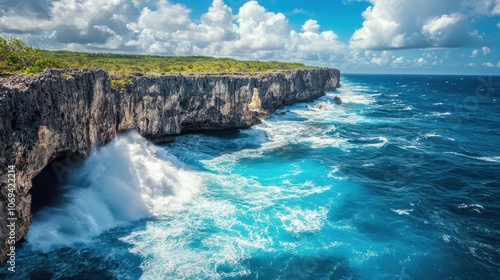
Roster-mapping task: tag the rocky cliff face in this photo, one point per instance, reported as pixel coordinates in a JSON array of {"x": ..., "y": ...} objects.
[{"x": 67, "y": 112}]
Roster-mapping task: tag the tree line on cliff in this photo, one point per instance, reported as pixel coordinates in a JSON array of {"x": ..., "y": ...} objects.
[{"x": 18, "y": 57}]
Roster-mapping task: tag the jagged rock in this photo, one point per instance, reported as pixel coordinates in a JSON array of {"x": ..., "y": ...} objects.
[
  {"x": 337, "y": 100},
  {"x": 64, "y": 112}
]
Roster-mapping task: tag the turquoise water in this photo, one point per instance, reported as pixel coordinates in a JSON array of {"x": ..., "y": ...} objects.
[{"x": 398, "y": 182}]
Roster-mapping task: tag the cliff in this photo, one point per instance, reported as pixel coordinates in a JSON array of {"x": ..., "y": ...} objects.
[{"x": 67, "y": 112}]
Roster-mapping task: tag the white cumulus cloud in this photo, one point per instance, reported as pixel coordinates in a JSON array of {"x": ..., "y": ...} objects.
[
  {"x": 377, "y": 60},
  {"x": 312, "y": 40},
  {"x": 217, "y": 24},
  {"x": 260, "y": 29},
  {"x": 252, "y": 33},
  {"x": 406, "y": 24},
  {"x": 398, "y": 60},
  {"x": 90, "y": 22},
  {"x": 496, "y": 8},
  {"x": 311, "y": 26},
  {"x": 165, "y": 17},
  {"x": 420, "y": 61}
]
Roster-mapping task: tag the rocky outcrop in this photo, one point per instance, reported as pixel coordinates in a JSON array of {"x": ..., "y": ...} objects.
[
  {"x": 65, "y": 112},
  {"x": 337, "y": 100}
]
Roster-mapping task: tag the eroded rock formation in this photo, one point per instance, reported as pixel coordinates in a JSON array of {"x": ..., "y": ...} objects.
[{"x": 64, "y": 112}]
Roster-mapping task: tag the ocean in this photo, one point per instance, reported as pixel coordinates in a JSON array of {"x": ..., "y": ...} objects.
[{"x": 400, "y": 181}]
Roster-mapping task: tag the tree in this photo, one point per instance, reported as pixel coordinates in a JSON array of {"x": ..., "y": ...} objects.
[{"x": 16, "y": 56}]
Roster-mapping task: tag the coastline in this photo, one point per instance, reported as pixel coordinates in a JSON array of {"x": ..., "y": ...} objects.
[{"x": 64, "y": 113}]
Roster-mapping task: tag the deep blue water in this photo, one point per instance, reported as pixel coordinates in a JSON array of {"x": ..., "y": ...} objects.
[{"x": 401, "y": 181}]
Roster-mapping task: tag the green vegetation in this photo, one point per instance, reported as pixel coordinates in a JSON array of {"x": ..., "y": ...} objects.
[
  {"x": 122, "y": 64},
  {"x": 17, "y": 57}
]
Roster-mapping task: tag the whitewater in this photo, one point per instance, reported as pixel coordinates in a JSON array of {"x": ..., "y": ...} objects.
[{"x": 400, "y": 181}]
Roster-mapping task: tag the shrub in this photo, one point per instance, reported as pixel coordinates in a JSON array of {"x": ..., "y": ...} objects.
[
  {"x": 16, "y": 56},
  {"x": 41, "y": 64}
]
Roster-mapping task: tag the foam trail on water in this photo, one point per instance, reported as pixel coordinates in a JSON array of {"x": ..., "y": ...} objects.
[
  {"x": 488, "y": 159},
  {"x": 126, "y": 180}
]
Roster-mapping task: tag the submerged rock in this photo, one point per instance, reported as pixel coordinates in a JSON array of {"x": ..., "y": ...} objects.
[{"x": 320, "y": 106}]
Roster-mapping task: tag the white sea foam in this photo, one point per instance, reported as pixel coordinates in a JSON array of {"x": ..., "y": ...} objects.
[
  {"x": 333, "y": 173},
  {"x": 410, "y": 147},
  {"x": 439, "y": 114},
  {"x": 487, "y": 159},
  {"x": 234, "y": 218},
  {"x": 402, "y": 211},
  {"x": 324, "y": 141},
  {"x": 382, "y": 143},
  {"x": 319, "y": 136},
  {"x": 168, "y": 249},
  {"x": 297, "y": 220},
  {"x": 325, "y": 111},
  {"x": 356, "y": 97},
  {"x": 473, "y": 207},
  {"x": 126, "y": 180},
  {"x": 376, "y": 142},
  {"x": 446, "y": 238},
  {"x": 432, "y": 135}
]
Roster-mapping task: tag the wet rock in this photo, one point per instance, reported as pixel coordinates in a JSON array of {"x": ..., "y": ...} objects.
[{"x": 337, "y": 100}]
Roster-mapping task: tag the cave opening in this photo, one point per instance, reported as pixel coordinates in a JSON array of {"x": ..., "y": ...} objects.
[{"x": 47, "y": 186}]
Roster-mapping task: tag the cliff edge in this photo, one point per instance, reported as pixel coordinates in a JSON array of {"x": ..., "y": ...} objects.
[{"x": 67, "y": 112}]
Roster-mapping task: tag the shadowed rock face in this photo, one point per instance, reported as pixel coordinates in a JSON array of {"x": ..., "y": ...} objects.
[{"x": 61, "y": 113}]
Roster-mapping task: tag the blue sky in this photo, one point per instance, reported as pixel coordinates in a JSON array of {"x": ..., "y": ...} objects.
[{"x": 371, "y": 36}]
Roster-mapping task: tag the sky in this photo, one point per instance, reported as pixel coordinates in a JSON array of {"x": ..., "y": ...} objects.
[{"x": 355, "y": 36}]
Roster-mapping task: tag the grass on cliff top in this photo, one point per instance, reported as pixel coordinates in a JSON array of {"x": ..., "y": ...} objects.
[
  {"x": 17, "y": 57},
  {"x": 120, "y": 64}
]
